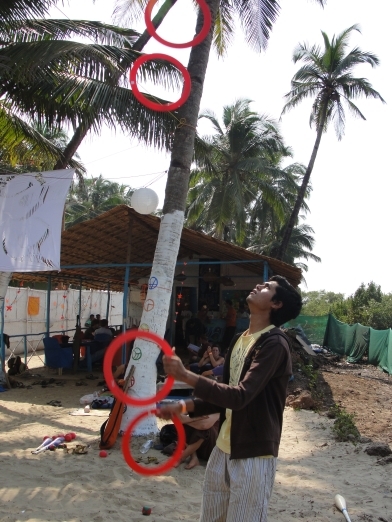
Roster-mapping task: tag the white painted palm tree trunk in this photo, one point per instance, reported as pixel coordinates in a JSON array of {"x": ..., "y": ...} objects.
[
  {"x": 154, "y": 319},
  {"x": 157, "y": 303}
]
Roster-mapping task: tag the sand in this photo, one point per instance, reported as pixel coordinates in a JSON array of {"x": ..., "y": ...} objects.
[{"x": 54, "y": 486}]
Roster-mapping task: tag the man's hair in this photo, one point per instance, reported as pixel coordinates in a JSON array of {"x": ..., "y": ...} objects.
[
  {"x": 289, "y": 297},
  {"x": 229, "y": 302},
  {"x": 104, "y": 322}
]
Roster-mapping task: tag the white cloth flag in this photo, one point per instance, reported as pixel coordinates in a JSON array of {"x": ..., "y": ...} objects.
[{"x": 31, "y": 211}]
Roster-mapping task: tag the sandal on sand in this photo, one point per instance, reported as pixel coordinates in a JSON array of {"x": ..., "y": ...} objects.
[
  {"x": 91, "y": 376},
  {"x": 80, "y": 383},
  {"x": 54, "y": 403},
  {"x": 79, "y": 449}
]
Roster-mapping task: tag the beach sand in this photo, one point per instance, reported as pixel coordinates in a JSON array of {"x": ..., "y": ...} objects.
[{"x": 55, "y": 486}]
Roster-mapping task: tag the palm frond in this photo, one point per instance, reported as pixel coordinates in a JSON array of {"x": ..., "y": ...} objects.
[
  {"x": 33, "y": 30},
  {"x": 257, "y": 18},
  {"x": 224, "y": 28},
  {"x": 20, "y": 142},
  {"x": 12, "y": 11}
]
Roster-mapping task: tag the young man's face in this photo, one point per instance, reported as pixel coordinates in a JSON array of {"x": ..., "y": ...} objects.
[{"x": 260, "y": 298}]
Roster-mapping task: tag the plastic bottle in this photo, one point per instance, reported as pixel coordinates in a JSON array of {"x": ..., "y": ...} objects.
[{"x": 146, "y": 446}]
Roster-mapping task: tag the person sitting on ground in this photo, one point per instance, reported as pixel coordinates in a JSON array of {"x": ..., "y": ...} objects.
[
  {"x": 103, "y": 329},
  {"x": 215, "y": 373},
  {"x": 200, "y": 435},
  {"x": 210, "y": 360},
  {"x": 198, "y": 352},
  {"x": 89, "y": 333},
  {"x": 87, "y": 324}
]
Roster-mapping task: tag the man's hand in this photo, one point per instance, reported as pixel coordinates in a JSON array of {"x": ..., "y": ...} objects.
[{"x": 173, "y": 366}]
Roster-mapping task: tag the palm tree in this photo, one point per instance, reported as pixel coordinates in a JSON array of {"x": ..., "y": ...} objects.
[
  {"x": 327, "y": 76},
  {"x": 93, "y": 197},
  {"x": 300, "y": 246},
  {"x": 257, "y": 18},
  {"x": 29, "y": 147},
  {"x": 235, "y": 167},
  {"x": 64, "y": 82}
]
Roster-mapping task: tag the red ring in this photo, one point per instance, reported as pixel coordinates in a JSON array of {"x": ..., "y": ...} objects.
[
  {"x": 157, "y": 469},
  {"x": 108, "y": 374},
  {"x": 186, "y": 90},
  {"x": 197, "y": 39}
]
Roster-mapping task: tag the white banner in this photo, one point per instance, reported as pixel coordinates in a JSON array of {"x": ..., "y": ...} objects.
[{"x": 31, "y": 211}]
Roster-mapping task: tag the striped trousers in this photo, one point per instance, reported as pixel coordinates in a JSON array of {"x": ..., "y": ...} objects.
[{"x": 237, "y": 490}]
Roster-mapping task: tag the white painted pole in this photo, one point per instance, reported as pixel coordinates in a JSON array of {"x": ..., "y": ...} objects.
[{"x": 154, "y": 319}]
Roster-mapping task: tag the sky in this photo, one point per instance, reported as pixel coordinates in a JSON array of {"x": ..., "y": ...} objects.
[{"x": 352, "y": 186}]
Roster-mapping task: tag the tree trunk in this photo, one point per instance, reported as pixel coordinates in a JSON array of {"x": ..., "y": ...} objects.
[
  {"x": 157, "y": 303},
  {"x": 302, "y": 191},
  {"x": 72, "y": 147}
]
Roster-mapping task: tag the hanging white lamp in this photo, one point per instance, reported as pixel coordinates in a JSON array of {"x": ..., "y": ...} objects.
[{"x": 144, "y": 200}]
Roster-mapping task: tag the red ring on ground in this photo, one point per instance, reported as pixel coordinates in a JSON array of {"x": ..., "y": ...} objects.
[
  {"x": 117, "y": 342},
  {"x": 157, "y": 469},
  {"x": 186, "y": 90},
  {"x": 197, "y": 39}
]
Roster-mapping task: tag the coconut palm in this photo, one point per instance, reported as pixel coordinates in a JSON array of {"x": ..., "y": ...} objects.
[
  {"x": 263, "y": 221},
  {"x": 257, "y": 18},
  {"x": 94, "y": 196},
  {"x": 235, "y": 167},
  {"x": 30, "y": 147},
  {"x": 300, "y": 246},
  {"x": 326, "y": 76},
  {"x": 61, "y": 81}
]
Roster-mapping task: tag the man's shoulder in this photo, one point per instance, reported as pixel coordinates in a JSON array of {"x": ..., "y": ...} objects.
[{"x": 273, "y": 335}]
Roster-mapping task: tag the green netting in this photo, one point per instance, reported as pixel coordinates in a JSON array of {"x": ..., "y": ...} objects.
[
  {"x": 314, "y": 327},
  {"x": 355, "y": 340},
  {"x": 380, "y": 349}
]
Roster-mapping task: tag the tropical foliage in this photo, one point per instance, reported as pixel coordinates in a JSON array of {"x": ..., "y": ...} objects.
[
  {"x": 319, "y": 302},
  {"x": 326, "y": 76},
  {"x": 30, "y": 147},
  {"x": 59, "y": 82},
  {"x": 238, "y": 190},
  {"x": 93, "y": 197},
  {"x": 234, "y": 167},
  {"x": 368, "y": 306}
]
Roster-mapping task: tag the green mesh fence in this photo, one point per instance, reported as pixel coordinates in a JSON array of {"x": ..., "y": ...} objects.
[
  {"x": 354, "y": 341},
  {"x": 314, "y": 327}
]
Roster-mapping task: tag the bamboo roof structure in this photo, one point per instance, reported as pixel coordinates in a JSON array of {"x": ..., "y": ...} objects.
[{"x": 122, "y": 236}]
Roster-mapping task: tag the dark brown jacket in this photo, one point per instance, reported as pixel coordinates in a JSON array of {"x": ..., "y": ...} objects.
[{"x": 257, "y": 402}]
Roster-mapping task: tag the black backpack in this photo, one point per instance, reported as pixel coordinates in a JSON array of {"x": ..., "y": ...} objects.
[{"x": 168, "y": 434}]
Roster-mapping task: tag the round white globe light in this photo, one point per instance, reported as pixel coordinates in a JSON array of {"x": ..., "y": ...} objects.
[{"x": 144, "y": 201}]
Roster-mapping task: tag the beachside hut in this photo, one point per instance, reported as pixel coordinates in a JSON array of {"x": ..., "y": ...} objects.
[{"x": 115, "y": 250}]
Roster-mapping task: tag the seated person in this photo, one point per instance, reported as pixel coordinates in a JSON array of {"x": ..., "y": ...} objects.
[
  {"x": 103, "y": 329},
  {"x": 200, "y": 434},
  {"x": 211, "y": 359},
  {"x": 89, "y": 333},
  {"x": 198, "y": 352},
  {"x": 87, "y": 324},
  {"x": 216, "y": 373}
]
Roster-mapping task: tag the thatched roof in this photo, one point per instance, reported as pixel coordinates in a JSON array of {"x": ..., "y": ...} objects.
[{"x": 122, "y": 235}]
